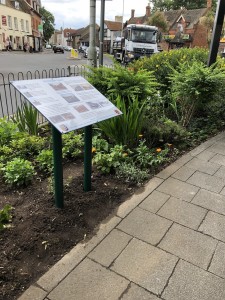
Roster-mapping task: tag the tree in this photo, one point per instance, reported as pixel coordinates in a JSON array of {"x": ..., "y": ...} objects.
[
  {"x": 48, "y": 23},
  {"x": 158, "y": 20},
  {"x": 165, "y": 5}
]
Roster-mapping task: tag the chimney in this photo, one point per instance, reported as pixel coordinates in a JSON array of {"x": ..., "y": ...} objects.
[
  {"x": 119, "y": 19},
  {"x": 209, "y": 3},
  {"x": 148, "y": 11},
  {"x": 132, "y": 13}
]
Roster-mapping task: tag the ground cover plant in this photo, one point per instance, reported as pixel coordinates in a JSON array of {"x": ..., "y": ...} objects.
[{"x": 167, "y": 110}]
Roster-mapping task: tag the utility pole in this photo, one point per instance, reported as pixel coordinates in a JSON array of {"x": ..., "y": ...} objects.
[
  {"x": 92, "y": 57},
  {"x": 102, "y": 19}
]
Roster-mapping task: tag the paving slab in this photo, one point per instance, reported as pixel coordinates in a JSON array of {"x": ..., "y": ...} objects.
[
  {"x": 90, "y": 281},
  {"x": 145, "y": 226},
  {"x": 203, "y": 166},
  {"x": 183, "y": 159},
  {"x": 214, "y": 225},
  {"x": 221, "y": 172},
  {"x": 208, "y": 182},
  {"x": 183, "y": 212},
  {"x": 205, "y": 155},
  {"x": 217, "y": 148},
  {"x": 218, "y": 159},
  {"x": 190, "y": 245},
  {"x": 154, "y": 201},
  {"x": 217, "y": 265},
  {"x": 183, "y": 173},
  {"x": 164, "y": 174},
  {"x": 178, "y": 189},
  {"x": 64, "y": 266},
  {"x": 145, "y": 265},
  {"x": 192, "y": 283},
  {"x": 210, "y": 201},
  {"x": 110, "y": 247},
  {"x": 34, "y": 293},
  {"x": 135, "y": 292},
  {"x": 126, "y": 207}
]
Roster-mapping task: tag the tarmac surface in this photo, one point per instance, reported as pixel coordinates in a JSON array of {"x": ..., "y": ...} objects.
[{"x": 167, "y": 242}]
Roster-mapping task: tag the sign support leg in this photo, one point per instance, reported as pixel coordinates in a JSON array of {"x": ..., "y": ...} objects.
[
  {"x": 58, "y": 169},
  {"x": 87, "y": 157}
]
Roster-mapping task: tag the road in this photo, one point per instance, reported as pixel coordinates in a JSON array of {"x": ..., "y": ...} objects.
[
  {"x": 14, "y": 62},
  {"x": 19, "y": 65}
]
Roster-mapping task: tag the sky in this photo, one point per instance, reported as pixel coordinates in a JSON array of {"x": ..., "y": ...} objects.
[{"x": 76, "y": 13}]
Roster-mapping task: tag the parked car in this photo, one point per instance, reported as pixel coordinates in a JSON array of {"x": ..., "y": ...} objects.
[
  {"x": 82, "y": 49},
  {"x": 68, "y": 48},
  {"x": 58, "y": 48},
  {"x": 48, "y": 46},
  {"x": 86, "y": 52}
]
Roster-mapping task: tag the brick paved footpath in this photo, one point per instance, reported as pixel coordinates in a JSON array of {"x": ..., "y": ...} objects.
[{"x": 167, "y": 242}]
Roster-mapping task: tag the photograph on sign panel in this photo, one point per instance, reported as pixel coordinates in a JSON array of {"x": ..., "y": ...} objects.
[
  {"x": 69, "y": 97},
  {"x": 93, "y": 105},
  {"x": 57, "y": 86},
  {"x": 81, "y": 108},
  {"x": 64, "y": 128},
  {"x": 56, "y": 119},
  {"x": 68, "y": 116}
]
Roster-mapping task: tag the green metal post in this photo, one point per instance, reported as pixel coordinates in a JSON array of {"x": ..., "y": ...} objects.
[
  {"x": 87, "y": 157},
  {"x": 58, "y": 169}
]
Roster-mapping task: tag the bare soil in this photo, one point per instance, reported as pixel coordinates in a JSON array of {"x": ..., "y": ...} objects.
[{"x": 40, "y": 234}]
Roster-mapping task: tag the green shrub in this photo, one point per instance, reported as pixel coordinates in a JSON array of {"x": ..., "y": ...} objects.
[
  {"x": 125, "y": 129},
  {"x": 45, "y": 160},
  {"x": 125, "y": 82},
  {"x": 5, "y": 216},
  {"x": 128, "y": 172},
  {"x": 6, "y": 153},
  {"x": 99, "y": 144},
  {"x": 161, "y": 63},
  {"x": 8, "y": 130},
  {"x": 28, "y": 145},
  {"x": 194, "y": 86},
  {"x": 18, "y": 172},
  {"x": 164, "y": 131},
  {"x": 26, "y": 118},
  {"x": 72, "y": 144},
  {"x": 107, "y": 162}
]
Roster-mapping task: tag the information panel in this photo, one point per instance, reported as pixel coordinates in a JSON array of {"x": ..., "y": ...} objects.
[{"x": 68, "y": 103}]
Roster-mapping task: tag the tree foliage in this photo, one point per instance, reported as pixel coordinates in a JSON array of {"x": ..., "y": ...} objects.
[
  {"x": 48, "y": 23},
  {"x": 165, "y": 5},
  {"x": 158, "y": 20}
]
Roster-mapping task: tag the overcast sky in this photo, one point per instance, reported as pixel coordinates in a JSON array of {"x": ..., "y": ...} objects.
[{"x": 76, "y": 13}]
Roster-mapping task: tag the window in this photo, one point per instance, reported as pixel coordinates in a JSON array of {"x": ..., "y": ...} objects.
[
  {"x": 2, "y": 1},
  {"x": 15, "y": 23},
  {"x": 27, "y": 26},
  {"x": 17, "y": 5},
  {"x": 22, "y": 24},
  {"x": 10, "y": 22}
]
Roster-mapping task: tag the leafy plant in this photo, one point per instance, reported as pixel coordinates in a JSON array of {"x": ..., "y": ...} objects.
[
  {"x": 106, "y": 162},
  {"x": 18, "y": 172},
  {"x": 45, "y": 160},
  {"x": 28, "y": 145},
  {"x": 8, "y": 131},
  {"x": 5, "y": 216},
  {"x": 26, "y": 118},
  {"x": 124, "y": 82},
  {"x": 99, "y": 144},
  {"x": 194, "y": 86},
  {"x": 72, "y": 144},
  {"x": 125, "y": 129},
  {"x": 129, "y": 172}
]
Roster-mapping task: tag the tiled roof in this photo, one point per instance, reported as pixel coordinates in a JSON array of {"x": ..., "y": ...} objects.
[
  {"x": 172, "y": 16},
  {"x": 113, "y": 26},
  {"x": 137, "y": 20}
]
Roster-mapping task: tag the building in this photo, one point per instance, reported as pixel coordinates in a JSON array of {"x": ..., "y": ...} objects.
[
  {"x": 112, "y": 30},
  {"x": 19, "y": 24},
  {"x": 81, "y": 37},
  {"x": 15, "y": 25}
]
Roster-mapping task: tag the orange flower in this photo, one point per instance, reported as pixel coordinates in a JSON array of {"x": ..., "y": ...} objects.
[
  {"x": 93, "y": 150},
  {"x": 169, "y": 145},
  {"x": 158, "y": 150}
]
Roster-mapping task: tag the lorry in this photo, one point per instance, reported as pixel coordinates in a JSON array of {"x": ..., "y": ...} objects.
[{"x": 139, "y": 40}]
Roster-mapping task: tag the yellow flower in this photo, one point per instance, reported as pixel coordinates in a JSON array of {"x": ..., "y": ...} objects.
[
  {"x": 158, "y": 150},
  {"x": 169, "y": 145},
  {"x": 125, "y": 154},
  {"x": 93, "y": 150},
  {"x": 140, "y": 135}
]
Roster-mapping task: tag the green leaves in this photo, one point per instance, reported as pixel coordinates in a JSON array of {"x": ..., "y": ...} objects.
[{"x": 5, "y": 216}]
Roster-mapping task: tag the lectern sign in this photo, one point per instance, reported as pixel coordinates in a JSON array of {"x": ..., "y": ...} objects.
[{"x": 68, "y": 103}]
